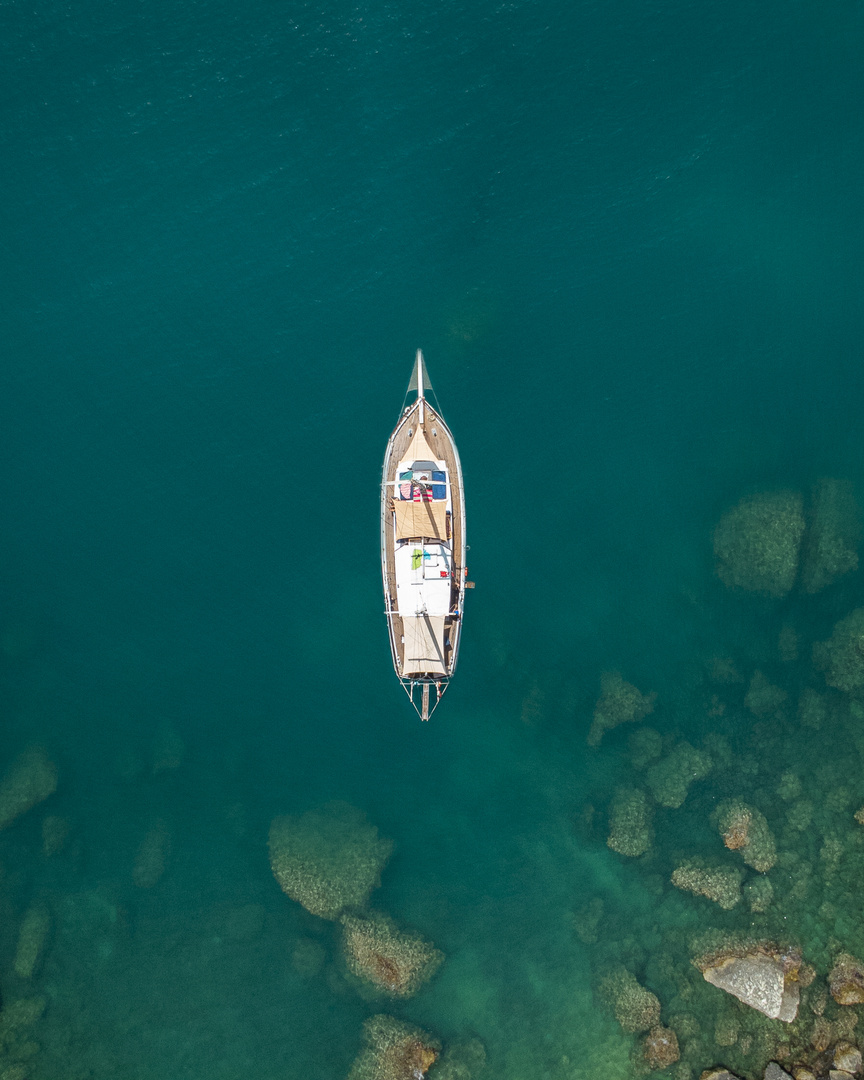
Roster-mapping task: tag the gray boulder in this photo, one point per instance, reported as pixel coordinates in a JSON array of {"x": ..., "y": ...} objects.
[
  {"x": 759, "y": 980},
  {"x": 774, "y": 1072}
]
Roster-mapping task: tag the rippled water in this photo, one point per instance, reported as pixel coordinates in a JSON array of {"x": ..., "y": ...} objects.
[{"x": 628, "y": 240}]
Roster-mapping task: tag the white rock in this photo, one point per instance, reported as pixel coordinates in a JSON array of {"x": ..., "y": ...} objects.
[{"x": 759, "y": 982}]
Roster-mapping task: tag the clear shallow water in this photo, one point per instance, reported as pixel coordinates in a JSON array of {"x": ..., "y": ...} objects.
[{"x": 628, "y": 240}]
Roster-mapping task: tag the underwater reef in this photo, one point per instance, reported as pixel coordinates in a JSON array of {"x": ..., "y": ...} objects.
[
  {"x": 31, "y": 779},
  {"x": 619, "y": 703},
  {"x": 750, "y": 839},
  {"x": 393, "y": 961},
  {"x": 394, "y": 1051},
  {"x": 328, "y": 859}
]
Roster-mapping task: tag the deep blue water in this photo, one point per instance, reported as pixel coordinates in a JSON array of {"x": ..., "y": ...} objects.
[{"x": 628, "y": 238}]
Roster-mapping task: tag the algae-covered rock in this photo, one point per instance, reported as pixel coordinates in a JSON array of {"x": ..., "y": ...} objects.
[
  {"x": 394, "y": 1051},
  {"x": 462, "y": 1061},
  {"x": 833, "y": 534},
  {"x": 812, "y": 709},
  {"x": 619, "y": 703},
  {"x": 800, "y": 815},
  {"x": 55, "y": 830},
  {"x": 151, "y": 856},
  {"x": 30, "y": 781},
  {"x": 328, "y": 859},
  {"x": 670, "y": 779},
  {"x": 789, "y": 786},
  {"x": 645, "y": 744},
  {"x": 744, "y": 829},
  {"x": 660, "y": 1048},
  {"x": 842, "y": 656},
  {"x": 393, "y": 961},
  {"x": 630, "y": 816},
  {"x": 763, "y": 697},
  {"x": 727, "y": 1028},
  {"x": 846, "y": 980},
  {"x": 757, "y": 543},
  {"x": 636, "y": 1009},
  {"x": 35, "y": 927},
  {"x": 722, "y": 884},
  {"x": 586, "y": 921},
  {"x": 19, "y": 1015},
  {"x": 759, "y": 893}
]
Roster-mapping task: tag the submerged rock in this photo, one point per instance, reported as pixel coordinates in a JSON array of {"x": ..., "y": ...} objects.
[
  {"x": 757, "y": 543},
  {"x": 847, "y": 1056},
  {"x": 722, "y": 884},
  {"x": 630, "y": 815},
  {"x": 759, "y": 893},
  {"x": 586, "y": 921},
  {"x": 773, "y": 1071},
  {"x": 763, "y": 697},
  {"x": 745, "y": 829},
  {"x": 35, "y": 928},
  {"x": 762, "y": 977},
  {"x": 462, "y": 1061},
  {"x": 151, "y": 856},
  {"x": 812, "y": 709},
  {"x": 841, "y": 657},
  {"x": 636, "y": 1009},
  {"x": 55, "y": 830},
  {"x": 619, "y": 703},
  {"x": 394, "y": 1051},
  {"x": 660, "y": 1048},
  {"x": 30, "y": 781},
  {"x": 645, "y": 744},
  {"x": 833, "y": 534},
  {"x": 670, "y": 779},
  {"x": 393, "y": 961},
  {"x": 328, "y": 859},
  {"x": 846, "y": 980}
]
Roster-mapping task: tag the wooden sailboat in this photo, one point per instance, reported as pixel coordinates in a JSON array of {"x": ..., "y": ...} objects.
[{"x": 423, "y": 548}]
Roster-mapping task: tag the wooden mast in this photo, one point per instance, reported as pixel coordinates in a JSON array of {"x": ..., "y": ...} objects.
[{"x": 420, "y": 396}]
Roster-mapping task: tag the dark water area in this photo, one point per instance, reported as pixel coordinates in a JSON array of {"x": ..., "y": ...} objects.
[{"x": 628, "y": 239}]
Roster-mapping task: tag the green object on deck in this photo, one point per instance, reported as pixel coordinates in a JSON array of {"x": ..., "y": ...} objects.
[{"x": 416, "y": 559}]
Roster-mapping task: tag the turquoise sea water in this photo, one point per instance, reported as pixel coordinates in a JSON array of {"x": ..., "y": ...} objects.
[{"x": 628, "y": 238}]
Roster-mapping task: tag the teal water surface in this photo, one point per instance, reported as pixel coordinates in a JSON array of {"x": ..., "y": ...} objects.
[{"x": 628, "y": 238}]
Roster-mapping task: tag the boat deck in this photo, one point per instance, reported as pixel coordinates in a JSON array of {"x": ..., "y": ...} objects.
[{"x": 441, "y": 444}]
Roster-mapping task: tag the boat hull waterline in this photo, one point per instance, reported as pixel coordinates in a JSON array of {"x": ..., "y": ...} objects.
[{"x": 423, "y": 549}]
